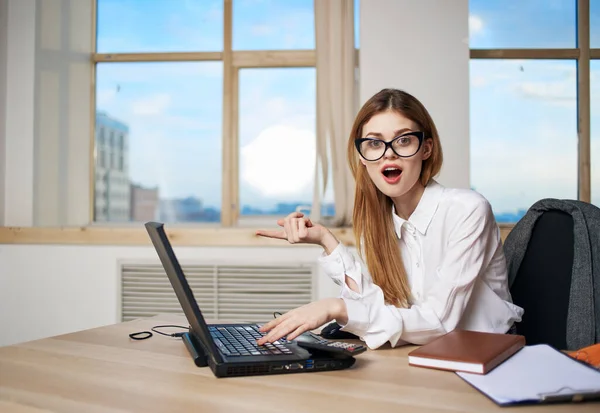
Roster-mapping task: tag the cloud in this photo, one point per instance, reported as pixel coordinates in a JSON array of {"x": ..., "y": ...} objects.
[
  {"x": 205, "y": 37},
  {"x": 478, "y": 81},
  {"x": 555, "y": 92},
  {"x": 560, "y": 89},
  {"x": 261, "y": 30},
  {"x": 214, "y": 12},
  {"x": 277, "y": 135},
  {"x": 275, "y": 26},
  {"x": 159, "y": 160},
  {"x": 153, "y": 105},
  {"x": 475, "y": 25},
  {"x": 280, "y": 161},
  {"x": 552, "y": 83},
  {"x": 154, "y": 73},
  {"x": 276, "y": 96},
  {"x": 105, "y": 96},
  {"x": 541, "y": 163}
]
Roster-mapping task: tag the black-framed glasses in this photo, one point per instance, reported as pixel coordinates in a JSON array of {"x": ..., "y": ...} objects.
[{"x": 405, "y": 146}]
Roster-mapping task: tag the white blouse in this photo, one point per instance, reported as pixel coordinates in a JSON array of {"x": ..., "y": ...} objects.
[{"x": 453, "y": 255}]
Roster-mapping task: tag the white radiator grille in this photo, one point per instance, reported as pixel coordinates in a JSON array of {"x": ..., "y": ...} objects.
[{"x": 223, "y": 292}]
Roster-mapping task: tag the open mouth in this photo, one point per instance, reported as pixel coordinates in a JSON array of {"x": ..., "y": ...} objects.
[{"x": 392, "y": 173}]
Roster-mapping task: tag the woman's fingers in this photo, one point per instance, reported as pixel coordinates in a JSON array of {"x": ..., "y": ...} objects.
[
  {"x": 271, "y": 234},
  {"x": 295, "y": 228},
  {"x": 302, "y": 230},
  {"x": 303, "y": 328},
  {"x": 281, "y": 330},
  {"x": 287, "y": 227},
  {"x": 268, "y": 328},
  {"x": 271, "y": 324},
  {"x": 293, "y": 219}
]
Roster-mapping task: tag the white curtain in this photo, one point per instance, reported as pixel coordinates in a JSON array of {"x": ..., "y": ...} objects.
[{"x": 334, "y": 34}]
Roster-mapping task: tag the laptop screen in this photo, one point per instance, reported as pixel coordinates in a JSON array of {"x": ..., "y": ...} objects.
[{"x": 181, "y": 287}]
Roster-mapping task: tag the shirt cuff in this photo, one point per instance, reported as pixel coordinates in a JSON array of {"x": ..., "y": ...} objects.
[
  {"x": 340, "y": 263},
  {"x": 358, "y": 317}
]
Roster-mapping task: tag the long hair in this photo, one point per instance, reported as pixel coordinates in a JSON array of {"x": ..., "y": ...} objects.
[{"x": 372, "y": 217}]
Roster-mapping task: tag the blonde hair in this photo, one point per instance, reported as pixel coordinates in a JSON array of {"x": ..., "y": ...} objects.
[{"x": 372, "y": 216}]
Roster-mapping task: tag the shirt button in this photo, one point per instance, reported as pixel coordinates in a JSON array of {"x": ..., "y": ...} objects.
[{"x": 417, "y": 265}]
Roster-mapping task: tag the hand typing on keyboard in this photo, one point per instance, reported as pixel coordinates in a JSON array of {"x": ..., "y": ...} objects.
[
  {"x": 239, "y": 341},
  {"x": 301, "y": 319}
]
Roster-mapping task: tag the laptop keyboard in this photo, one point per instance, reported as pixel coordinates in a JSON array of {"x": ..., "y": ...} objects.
[{"x": 241, "y": 341}]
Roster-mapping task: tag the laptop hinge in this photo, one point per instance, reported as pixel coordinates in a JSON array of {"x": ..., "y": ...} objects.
[{"x": 195, "y": 349}]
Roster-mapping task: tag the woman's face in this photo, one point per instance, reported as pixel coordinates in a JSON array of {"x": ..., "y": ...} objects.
[{"x": 393, "y": 175}]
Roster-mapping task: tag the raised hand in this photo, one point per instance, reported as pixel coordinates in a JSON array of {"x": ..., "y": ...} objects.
[{"x": 297, "y": 229}]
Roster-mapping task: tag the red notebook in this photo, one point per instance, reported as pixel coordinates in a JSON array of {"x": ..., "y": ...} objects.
[{"x": 469, "y": 351}]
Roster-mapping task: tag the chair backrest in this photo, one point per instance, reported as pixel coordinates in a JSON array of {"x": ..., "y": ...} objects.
[{"x": 543, "y": 283}]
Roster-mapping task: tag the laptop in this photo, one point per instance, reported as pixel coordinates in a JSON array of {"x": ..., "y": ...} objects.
[{"x": 230, "y": 349}]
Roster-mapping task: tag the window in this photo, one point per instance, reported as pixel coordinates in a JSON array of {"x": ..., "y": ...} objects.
[
  {"x": 529, "y": 24},
  {"x": 526, "y": 79},
  {"x": 595, "y": 24},
  {"x": 524, "y": 133},
  {"x": 186, "y": 109},
  {"x": 165, "y": 121},
  {"x": 277, "y": 139},
  {"x": 141, "y": 26},
  {"x": 273, "y": 25}
]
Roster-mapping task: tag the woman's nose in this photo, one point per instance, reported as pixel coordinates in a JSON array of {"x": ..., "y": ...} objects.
[{"x": 389, "y": 153}]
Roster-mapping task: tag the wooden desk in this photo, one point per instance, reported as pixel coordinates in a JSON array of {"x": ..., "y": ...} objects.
[{"x": 103, "y": 370}]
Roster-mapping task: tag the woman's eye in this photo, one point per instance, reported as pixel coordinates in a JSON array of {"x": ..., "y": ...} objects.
[{"x": 375, "y": 144}]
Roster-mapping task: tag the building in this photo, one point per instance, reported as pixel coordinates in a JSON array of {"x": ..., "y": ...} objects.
[
  {"x": 189, "y": 209},
  {"x": 144, "y": 203},
  {"x": 112, "y": 199}
]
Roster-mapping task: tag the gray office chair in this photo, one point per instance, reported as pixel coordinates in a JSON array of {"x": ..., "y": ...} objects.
[{"x": 553, "y": 256}]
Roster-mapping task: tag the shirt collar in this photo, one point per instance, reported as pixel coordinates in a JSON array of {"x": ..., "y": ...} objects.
[{"x": 424, "y": 212}]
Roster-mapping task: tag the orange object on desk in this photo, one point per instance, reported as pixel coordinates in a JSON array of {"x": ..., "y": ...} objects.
[{"x": 589, "y": 355}]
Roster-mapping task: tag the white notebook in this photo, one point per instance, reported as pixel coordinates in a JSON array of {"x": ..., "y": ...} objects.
[{"x": 538, "y": 374}]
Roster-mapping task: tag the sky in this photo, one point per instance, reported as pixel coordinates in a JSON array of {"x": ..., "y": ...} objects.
[{"x": 523, "y": 113}]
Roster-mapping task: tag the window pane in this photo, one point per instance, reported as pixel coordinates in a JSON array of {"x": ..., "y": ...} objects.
[
  {"x": 273, "y": 25},
  {"x": 158, "y": 142},
  {"x": 595, "y": 124},
  {"x": 595, "y": 23},
  {"x": 522, "y": 24},
  {"x": 159, "y": 26},
  {"x": 523, "y": 133},
  {"x": 277, "y": 139}
]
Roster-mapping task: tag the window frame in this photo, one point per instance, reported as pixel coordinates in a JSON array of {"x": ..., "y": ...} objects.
[
  {"x": 232, "y": 61},
  {"x": 582, "y": 54}
]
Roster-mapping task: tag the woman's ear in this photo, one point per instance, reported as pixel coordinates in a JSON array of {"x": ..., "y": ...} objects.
[{"x": 427, "y": 148}]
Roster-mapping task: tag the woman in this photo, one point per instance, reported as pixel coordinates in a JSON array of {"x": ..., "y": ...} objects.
[{"x": 434, "y": 257}]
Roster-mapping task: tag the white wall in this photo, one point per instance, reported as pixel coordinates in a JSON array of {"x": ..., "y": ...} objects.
[
  {"x": 45, "y": 130},
  {"x": 50, "y": 290},
  {"x": 3, "y": 46},
  {"x": 19, "y": 121},
  {"x": 423, "y": 47},
  {"x": 62, "y": 116}
]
